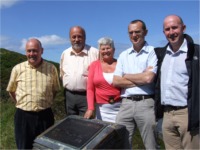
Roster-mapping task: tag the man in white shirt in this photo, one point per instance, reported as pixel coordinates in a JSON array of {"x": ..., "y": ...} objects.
[
  {"x": 74, "y": 65},
  {"x": 135, "y": 71}
]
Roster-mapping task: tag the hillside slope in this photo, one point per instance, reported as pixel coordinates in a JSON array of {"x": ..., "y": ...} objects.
[{"x": 8, "y": 60}]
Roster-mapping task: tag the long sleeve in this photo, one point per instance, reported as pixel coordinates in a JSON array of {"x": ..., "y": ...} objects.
[{"x": 91, "y": 87}]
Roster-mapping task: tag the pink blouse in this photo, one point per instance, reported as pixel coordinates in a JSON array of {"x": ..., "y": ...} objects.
[{"x": 98, "y": 89}]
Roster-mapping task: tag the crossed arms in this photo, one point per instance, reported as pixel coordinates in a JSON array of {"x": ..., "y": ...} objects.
[{"x": 131, "y": 80}]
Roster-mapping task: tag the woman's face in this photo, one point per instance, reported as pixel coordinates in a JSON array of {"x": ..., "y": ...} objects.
[{"x": 106, "y": 52}]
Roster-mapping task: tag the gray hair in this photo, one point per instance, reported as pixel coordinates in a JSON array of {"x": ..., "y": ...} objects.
[{"x": 106, "y": 41}]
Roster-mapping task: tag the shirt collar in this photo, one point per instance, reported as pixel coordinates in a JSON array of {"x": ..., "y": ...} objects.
[
  {"x": 144, "y": 48},
  {"x": 30, "y": 66},
  {"x": 183, "y": 47},
  {"x": 83, "y": 52}
]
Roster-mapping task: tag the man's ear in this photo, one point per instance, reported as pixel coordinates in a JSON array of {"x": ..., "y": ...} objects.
[
  {"x": 146, "y": 31},
  {"x": 184, "y": 28}
]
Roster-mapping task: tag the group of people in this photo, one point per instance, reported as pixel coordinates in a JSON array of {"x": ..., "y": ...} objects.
[{"x": 143, "y": 85}]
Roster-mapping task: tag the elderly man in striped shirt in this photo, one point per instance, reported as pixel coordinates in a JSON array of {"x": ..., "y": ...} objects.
[{"x": 33, "y": 85}]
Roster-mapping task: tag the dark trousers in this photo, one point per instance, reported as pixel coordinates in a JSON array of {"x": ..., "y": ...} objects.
[
  {"x": 28, "y": 125},
  {"x": 75, "y": 102}
]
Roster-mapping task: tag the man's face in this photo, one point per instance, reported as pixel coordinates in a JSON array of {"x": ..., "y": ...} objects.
[
  {"x": 137, "y": 34},
  {"x": 77, "y": 39},
  {"x": 173, "y": 30},
  {"x": 34, "y": 52}
]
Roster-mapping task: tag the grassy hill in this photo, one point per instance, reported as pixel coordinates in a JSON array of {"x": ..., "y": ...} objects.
[
  {"x": 8, "y": 60},
  {"x": 7, "y": 109}
]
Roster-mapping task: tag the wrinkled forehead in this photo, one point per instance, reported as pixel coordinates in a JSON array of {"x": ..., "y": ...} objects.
[
  {"x": 77, "y": 31},
  {"x": 33, "y": 46}
]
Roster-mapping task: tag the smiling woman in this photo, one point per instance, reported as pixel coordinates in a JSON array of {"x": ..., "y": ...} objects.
[{"x": 100, "y": 91}]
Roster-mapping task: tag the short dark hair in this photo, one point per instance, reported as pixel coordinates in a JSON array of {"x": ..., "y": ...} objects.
[{"x": 138, "y": 20}]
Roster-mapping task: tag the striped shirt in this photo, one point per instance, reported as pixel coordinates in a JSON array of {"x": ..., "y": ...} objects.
[{"x": 34, "y": 87}]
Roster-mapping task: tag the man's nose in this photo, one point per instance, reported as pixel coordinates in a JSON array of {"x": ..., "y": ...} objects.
[
  {"x": 77, "y": 39},
  {"x": 171, "y": 31}
]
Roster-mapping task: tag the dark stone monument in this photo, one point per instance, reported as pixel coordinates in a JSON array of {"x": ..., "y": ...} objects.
[{"x": 75, "y": 132}]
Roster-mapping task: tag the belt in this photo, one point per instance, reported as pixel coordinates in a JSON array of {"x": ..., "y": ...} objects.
[
  {"x": 44, "y": 111},
  {"x": 76, "y": 92},
  {"x": 139, "y": 97},
  {"x": 170, "y": 107}
]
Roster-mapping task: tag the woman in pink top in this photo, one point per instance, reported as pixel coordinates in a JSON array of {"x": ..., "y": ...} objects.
[{"x": 102, "y": 96}]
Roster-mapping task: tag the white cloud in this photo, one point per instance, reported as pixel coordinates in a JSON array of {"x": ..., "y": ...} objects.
[
  {"x": 47, "y": 41},
  {"x": 52, "y": 44},
  {"x": 9, "y": 43},
  {"x": 7, "y": 3}
]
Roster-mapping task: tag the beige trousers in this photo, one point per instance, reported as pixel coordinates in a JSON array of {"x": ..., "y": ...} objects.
[
  {"x": 139, "y": 114},
  {"x": 175, "y": 134}
]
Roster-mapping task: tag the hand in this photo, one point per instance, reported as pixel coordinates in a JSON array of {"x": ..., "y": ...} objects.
[
  {"x": 88, "y": 114},
  {"x": 149, "y": 68}
]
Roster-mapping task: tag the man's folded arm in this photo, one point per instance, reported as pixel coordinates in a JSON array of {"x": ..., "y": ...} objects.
[
  {"x": 122, "y": 82},
  {"x": 140, "y": 78}
]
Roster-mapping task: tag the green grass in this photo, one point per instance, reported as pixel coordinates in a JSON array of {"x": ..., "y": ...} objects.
[{"x": 7, "y": 140}]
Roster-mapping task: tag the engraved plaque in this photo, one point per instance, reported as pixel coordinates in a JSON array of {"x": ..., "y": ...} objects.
[{"x": 75, "y": 132}]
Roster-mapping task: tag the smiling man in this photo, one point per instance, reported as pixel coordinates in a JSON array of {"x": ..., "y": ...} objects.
[
  {"x": 74, "y": 64},
  {"x": 177, "y": 88},
  {"x": 33, "y": 85},
  {"x": 134, "y": 73}
]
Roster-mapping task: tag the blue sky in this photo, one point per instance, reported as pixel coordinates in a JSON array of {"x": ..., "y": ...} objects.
[{"x": 50, "y": 21}]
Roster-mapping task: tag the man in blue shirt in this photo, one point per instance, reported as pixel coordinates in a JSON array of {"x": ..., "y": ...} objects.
[
  {"x": 177, "y": 88},
  {"x": 135, "y": 72}
]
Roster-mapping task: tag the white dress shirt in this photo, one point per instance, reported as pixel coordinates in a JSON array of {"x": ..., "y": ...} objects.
[
  {"x": 132, "y": 62},
  {"x": 74, "y": 67}
]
